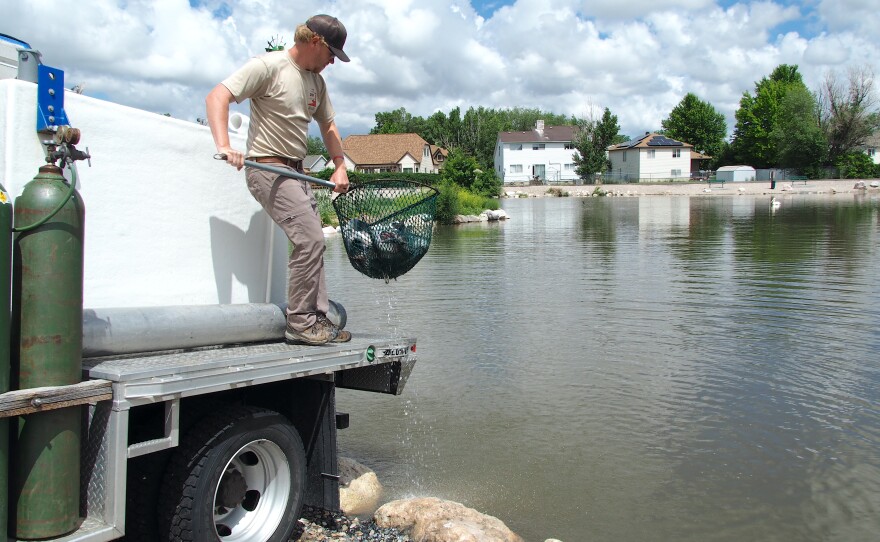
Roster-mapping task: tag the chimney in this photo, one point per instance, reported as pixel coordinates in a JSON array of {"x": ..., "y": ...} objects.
[{"x": 539, "y": 126}]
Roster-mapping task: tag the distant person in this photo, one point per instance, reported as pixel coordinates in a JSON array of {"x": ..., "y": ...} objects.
[{"x": 286, "y": 91}]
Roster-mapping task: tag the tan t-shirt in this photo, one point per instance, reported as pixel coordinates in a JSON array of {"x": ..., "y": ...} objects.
[{"x": 284, "y": 100}]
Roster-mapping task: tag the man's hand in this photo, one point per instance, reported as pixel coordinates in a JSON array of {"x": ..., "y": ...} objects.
[
  {"x": 340, "y": 179},
  {"x": 233, "y": 157}
]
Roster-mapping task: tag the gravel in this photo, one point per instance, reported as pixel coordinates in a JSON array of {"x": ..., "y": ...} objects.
[{"x": 318, "y": 525}]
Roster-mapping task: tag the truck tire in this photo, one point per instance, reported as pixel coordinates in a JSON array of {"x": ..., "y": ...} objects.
[{"x": 237, "y": 476}]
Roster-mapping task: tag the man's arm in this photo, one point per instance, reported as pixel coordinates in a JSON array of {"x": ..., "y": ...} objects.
[
  {"x": 330, "y": 135},
  {"x": 217, "y": 107}
]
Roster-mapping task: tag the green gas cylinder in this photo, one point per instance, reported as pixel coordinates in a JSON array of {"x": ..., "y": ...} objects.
[
  {"x": 47, "y": 299},
  {"x": 5, "y": 348}
]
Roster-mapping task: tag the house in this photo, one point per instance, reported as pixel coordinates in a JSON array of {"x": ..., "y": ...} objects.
[
  {"x": 736, "y": 173},
  {"x": 872, "y": 147},
  {"x": 544, "y": 154},
  {"x": 314, "y": 162},
  {"x": 379, "y": 153},
  {"x": 652, "y": 157}
]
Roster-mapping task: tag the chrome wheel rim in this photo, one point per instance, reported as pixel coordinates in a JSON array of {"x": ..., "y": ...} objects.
[{"x": 251, "y": 497}]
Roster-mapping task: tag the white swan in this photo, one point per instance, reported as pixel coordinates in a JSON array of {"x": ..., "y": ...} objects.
[{"x": 775, "y": 203}]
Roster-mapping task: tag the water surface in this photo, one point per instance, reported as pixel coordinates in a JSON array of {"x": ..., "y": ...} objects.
[{"x": 654, "y": 368}]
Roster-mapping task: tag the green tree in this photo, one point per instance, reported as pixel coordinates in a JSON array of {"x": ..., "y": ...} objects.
[
  {"x": 591, "y": 140},
  {"x": 316, "y": 146},
  {"x": 757, "y": 116},
  {"x": 797, "y": 136},
  {"x": 698, "y": 123},
  {"x": 848, "y": 112},
  {"x": 857, "y": 165}
]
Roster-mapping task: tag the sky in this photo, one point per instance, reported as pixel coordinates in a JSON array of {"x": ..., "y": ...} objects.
[{"x": 566, "y": 57}]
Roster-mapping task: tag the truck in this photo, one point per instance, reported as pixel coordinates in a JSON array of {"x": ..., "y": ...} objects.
[{"x": 169, "y": 406}]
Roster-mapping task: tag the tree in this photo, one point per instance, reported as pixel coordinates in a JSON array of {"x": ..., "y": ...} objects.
[
  {"x": 316, "y": 146},
  {"x": 591, "y": 140},
  {"x": 398, "y": 121},
  {"x": 857, "y": 165},
  {"x": 797, "y": 136},
  {"x": 698, "y": 123},
  {"x": 757, "y": 116},
  {"x": 848, "y": 113}
]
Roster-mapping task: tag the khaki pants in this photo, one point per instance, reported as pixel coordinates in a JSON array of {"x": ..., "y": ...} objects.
[{"x": 292, "y": 205}]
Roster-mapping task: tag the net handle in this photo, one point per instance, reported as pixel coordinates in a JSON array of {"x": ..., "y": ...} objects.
[{"x": 281, "y": 171}]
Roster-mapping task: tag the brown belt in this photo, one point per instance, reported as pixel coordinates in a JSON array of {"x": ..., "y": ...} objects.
[{"x": 290, "y": 162}]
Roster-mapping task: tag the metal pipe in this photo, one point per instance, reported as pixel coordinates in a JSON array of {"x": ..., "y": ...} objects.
[
  {"x": 281, "y": 171},
  {"x": 147, "y": 329}
]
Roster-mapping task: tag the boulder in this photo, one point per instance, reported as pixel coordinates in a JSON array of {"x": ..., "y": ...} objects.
[
  {"x": 875, "y": 184},
  {"x": 499, "y": 214},
  {"x": 429, "y": 519},
  {"x": 359, "y": 488},
  {"x": 860, "y": 185}
]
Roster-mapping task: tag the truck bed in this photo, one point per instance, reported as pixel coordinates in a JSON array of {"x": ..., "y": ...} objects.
[{"x": 157, "y": 376}]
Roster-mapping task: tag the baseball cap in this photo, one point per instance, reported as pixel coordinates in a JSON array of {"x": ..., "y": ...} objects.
[{"x": 331, "y": 29}]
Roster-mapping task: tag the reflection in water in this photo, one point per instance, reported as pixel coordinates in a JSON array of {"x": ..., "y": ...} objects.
[{"x": 637, "y": 369}]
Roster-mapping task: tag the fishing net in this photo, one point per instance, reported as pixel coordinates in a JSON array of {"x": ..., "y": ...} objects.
[{"x": 386, "y": 225}]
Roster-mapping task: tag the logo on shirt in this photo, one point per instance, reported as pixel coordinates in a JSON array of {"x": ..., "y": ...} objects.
[{"x": 313, "y": 98}]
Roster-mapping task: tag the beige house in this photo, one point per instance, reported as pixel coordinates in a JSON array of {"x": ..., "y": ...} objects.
[
  {"x": 651, "y": 157},
  {"x": 380, "y": 153}
]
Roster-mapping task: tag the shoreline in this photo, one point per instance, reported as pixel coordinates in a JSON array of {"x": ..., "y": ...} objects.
[{"x": 818, "y": 186}]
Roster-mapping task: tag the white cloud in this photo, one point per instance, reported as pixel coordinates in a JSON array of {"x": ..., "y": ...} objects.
[{"x": 561, "y": 56}]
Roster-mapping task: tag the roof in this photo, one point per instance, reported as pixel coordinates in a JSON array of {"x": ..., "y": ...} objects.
[
  {"x": 650, "y": 140},
  {"x": 311, "y": 159},
  {"x": 873, "y": 141},
  {"x": 386, "y": 148},
  {"x": 736, "y": 168},
  {"x": 549, "y": 133}
]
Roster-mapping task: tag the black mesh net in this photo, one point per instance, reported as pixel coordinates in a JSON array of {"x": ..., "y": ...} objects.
[{"x": 386, "y": 225}]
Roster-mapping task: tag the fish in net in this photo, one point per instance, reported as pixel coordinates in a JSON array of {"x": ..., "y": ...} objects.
[{"x": 386, "y": 225}]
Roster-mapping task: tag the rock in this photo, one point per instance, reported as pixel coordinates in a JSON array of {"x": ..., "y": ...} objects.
[
  {"x": 359, "y": 488},
  {"x": 430, "y": 519},
  {"x": 875, "y": 184},
  {"x": 860, "y": 185},
  {"x": 500, "y": 214}
]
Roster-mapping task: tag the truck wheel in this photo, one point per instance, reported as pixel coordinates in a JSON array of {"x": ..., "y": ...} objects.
[{"x": 237, "y": 476}]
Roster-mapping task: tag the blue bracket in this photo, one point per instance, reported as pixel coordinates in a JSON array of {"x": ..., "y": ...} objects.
[{"x": 50, "y": 98}]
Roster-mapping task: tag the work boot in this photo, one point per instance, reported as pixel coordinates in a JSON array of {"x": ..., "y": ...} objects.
[
  {"x": 342, "y": 336},
  {"x": 321, "y": 332}
]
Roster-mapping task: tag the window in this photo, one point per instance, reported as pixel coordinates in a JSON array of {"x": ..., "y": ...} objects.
[
  {"x": 676, "y": 153},
  {"x": 407, "y": 170},
  {"x": 537, "y": 146},
  {"x": 516, "y": 146},
  {"x": 872, "y": 151},
  {"x": 426, "y": 151},
  {"x": 569, "y": 146},
  {"x": 652, "y": 153},
  {"x": 676, "y": 173},
  {"x": 516, "y": 168},
  {"x": 624, "y": 156},
  {"x": 569, "y": 167}
]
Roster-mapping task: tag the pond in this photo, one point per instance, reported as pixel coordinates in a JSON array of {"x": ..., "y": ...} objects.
[{"x": 653, "y": 368}]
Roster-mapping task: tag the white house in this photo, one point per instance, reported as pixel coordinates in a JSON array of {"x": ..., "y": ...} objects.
[
  {"x": 871, "y": 147},
  {"x": 736, "y": 173},
  {"x": 544, "y": 154},
  {"x": 314, "y": 162},
  {"x": 652, "y": 157}
]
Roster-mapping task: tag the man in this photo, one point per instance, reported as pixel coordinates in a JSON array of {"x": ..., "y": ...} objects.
[{"x": 286, "y": 91}]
